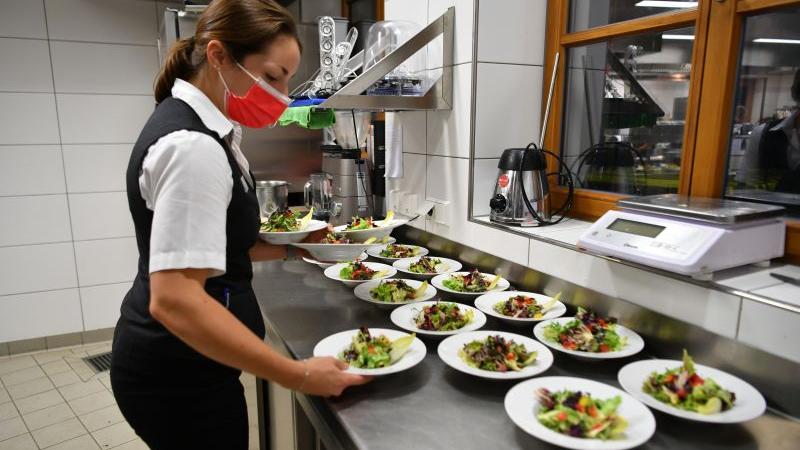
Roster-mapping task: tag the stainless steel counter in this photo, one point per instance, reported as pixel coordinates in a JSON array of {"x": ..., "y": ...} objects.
[{"x": 432, "y": 406}]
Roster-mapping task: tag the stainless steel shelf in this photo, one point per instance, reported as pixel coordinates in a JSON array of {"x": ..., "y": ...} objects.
[{"x": 438, "y": 97}]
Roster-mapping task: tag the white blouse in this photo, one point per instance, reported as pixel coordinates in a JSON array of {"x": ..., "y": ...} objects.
[{"x": 186, "y": 182}]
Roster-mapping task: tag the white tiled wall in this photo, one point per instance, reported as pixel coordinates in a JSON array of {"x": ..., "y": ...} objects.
[
  {"x": 507, "y": 101},
  {"x": 74, "y": 94}
]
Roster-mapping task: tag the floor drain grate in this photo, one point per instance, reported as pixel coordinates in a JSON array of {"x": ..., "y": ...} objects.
[{"x": 99, "y": 363}]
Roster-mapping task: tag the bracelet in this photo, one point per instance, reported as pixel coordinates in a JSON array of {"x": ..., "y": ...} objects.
[{"x": 305, "y": 375}]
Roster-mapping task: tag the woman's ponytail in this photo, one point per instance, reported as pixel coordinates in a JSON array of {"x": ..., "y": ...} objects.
[{"x": 177, "y": 65}]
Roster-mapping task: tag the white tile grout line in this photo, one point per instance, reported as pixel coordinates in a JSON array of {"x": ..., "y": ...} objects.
[{"x": 63, "y": 165}]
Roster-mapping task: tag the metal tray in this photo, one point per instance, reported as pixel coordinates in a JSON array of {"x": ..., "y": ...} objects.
[{"x": 714, "y": 210}]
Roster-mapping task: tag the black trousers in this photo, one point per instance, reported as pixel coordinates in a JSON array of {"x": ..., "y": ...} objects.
[{"x": 213, "y": 417}]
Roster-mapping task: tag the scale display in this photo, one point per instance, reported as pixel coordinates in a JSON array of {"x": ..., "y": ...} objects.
[{"x": 637, "y": 228}]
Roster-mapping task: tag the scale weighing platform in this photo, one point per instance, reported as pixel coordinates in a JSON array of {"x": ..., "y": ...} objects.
[{"x": 689, "y": 236}]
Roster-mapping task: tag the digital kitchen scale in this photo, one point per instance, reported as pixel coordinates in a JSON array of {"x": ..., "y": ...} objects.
[{"x": 689, "y": 236}]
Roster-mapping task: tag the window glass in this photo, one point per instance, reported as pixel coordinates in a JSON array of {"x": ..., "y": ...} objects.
[
  {"x": 764, "y": 153},
  {"x": 584, "y": 14},
  {"x": 625, "y": 111}
]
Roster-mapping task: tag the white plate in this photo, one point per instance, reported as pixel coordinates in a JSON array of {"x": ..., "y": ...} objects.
[
  {"x": 362, "y": 257},
  {"x": 335, "y": 252},
  {"x": 486, "y": 304},
  {"x": 336, "y": 343},
  {"x": 332, "y": 272},
  {"x": 404, "y": 317},
  {"x": 402, "y": 265},
  {"x": 634, "y": 345},
  {"x": 290, "y": 237},
  {"x": 378, "y": 232},
  {"x": 449, "y": 348},
  {"x": 375, "y": 252},
  {"x": 362, "y": 292},
  {"x": 749, "y": 402},
  {"x": 522, "y": 406},
  {"x": 438, "y": 280}
]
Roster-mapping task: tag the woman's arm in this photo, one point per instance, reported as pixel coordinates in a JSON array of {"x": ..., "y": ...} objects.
[
  {"x": 267, "y": 252},
  {"x": 179, "y": 302}
]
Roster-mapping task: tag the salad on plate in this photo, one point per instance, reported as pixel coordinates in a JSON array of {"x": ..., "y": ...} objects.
[
  {"x": 398, "y": 251},
  {"x": 587, "y": 332},
  {"x": 360, "y": 223},
  {"x": 523, "y": 307},
  {"x": 442, "y": 316},
  {"x": 577, "y": 414},
  {"x": 335, "y": 238},
  {"x": 471, "y": 282},
  {"x": 683, "y": 388},
  {"x": 373, "y": 352},
  {"x": 357, "y": 270},
  {"x": 497, "y": 354},
  {"x": 285, "y": 221},
  {"x": 397, "y": 291},
  {"x": 428, "y": 265}
]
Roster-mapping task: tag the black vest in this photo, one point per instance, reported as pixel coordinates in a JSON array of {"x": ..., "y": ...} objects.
[{"x": 143, "y": 348}]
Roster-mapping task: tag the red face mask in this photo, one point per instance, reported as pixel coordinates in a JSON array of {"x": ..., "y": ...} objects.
[{"x": 261, "y": 106}]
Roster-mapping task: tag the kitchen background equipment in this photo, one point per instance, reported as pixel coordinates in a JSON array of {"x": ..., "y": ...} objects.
[
  {"x": 350, "y": 171},
  {"x": 318, "y": 194},
  {"x": 376, "y": 151},
  {"x": 350, "y": 182},
  {"x": 610, "y": 166},
  {"x": 695, "y": 237},
  {"x": 525, "y": 169},
  {"x": 272, "y": 196},
  {"x": 519, "y": 170},
  {"x": 408, "y": 78}
]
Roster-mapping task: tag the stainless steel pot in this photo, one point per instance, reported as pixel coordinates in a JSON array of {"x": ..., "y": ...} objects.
[{"x": 272, "y": 195}]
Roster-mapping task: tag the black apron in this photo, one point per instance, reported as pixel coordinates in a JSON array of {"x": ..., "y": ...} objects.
[{"x": 169, "y": 393}]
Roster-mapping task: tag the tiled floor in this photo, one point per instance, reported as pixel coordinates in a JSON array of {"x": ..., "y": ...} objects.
[{"x": 53, "y": 400}]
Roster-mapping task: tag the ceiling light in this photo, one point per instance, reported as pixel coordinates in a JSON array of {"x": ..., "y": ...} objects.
[
  {"x": 678, "y": 37},
  {"x": 666, "y": 4},
  {"x": 777, "y": 41}
]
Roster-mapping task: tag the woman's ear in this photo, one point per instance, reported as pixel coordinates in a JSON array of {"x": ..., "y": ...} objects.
[{"x": 216, "y": 55}]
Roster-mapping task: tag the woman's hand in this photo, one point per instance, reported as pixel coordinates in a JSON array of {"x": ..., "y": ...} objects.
[{"x": 327, "y": 377}]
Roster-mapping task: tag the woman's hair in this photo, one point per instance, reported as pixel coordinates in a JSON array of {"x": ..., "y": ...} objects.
[{"x": 243, "y": 26}]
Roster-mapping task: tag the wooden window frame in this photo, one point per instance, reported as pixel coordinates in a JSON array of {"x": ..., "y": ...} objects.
[{"x": 718, "y": 25}]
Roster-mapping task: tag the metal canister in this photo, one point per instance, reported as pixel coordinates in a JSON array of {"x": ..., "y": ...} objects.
[{"x": 272, "y": 195}]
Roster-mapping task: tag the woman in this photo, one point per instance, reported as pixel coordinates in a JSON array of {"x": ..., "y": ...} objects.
[{"x": 190, "y": 322}]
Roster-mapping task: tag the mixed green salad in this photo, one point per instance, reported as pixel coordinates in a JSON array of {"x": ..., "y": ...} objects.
[
  {"x": 373, "y": 352},
  {"x": 523, "y": 307},
  {"x": 683, "y": 388},
  {"x": 335, "y": 238},
  {"x": 497, "y": 354},
  {"x": 471, "y": 282},
  {"x": 397, "y": 291},
  {"x": 587, "y": 333},
  {"x": 399, "y": 251},
  {"x": 443, "y": 317},
  {"x": 428, "y": 265},
  {"x": 360, "y": 223},
  {"x": 281, "y": 221},
  {"x": 358, "y": 271},
  {"x": 579, "y": 415}
]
